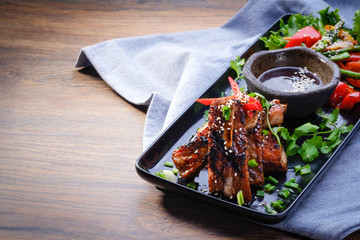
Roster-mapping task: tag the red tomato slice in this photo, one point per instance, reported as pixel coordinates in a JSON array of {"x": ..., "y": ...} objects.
[
  {"x": 339, "y": 94},
  {"x": 353, "y": 82},
  {"x": 350, "y": 100},
  {"x": 353, "y": 66},
  {"x": 307, "y": 35}
]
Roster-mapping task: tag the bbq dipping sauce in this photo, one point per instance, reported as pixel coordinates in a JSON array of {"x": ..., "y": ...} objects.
[{"x": 290, "y": 79}]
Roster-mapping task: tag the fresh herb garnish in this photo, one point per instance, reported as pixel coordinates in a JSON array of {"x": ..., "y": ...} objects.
[
  {"x": 302, "y": 170},
  {"x": 291, "y": 184},
  {"x": 265, "y": 132},
  {"x": 260, "y": 193},
  {"x": 226, "y": 113},
  {"x": 167, "y": 174},
  {"x": 168, "y": 164},
  {"x": 238, "y": 65},
  {"x": 314, "y": 143},
  {"x": 191, "y": 185},
  {"x": 160, "y": 174},
  {"x": 253, "y": 163},
  {"x": 278, "y": 205},
  {"x": 269, "y": 187},
  {"x": 175, "y": 171},
  {"x": 269, "y": 209},
  {"x": 284, "y": 192},
  {"x": 271, "y": 179},
  {"x": 240, "y": 198}
]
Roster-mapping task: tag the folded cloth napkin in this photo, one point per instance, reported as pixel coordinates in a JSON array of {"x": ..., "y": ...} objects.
[{"x": 168, "y": 71}]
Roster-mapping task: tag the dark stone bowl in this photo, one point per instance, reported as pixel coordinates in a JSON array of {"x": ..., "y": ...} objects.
[{"x": 300, "y": 104}]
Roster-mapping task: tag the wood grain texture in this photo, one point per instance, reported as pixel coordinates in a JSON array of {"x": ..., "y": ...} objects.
[{"x": 68, "y": 143}]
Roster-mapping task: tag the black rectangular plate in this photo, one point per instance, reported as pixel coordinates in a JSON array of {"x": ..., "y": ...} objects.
[{"x": 180, "y": 132}]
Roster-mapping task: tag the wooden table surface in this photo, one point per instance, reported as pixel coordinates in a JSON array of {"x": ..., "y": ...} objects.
[{"x": 68, "y": 142}]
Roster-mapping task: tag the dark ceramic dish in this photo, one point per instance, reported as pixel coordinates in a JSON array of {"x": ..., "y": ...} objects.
[
  {"x": 300, "y": 104},
  {"x": 152, "y": 159}
]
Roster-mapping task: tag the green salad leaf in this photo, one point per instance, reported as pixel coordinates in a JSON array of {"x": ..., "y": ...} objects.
[
  {"x": 298, "y": 21},
  {"x": 329, "y": 18}
]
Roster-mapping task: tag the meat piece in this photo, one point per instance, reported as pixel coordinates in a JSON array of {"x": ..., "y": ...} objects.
[
  {"x": 191, "y": 158},
  {"x": 250, "y": 122},
  {"x": 274, "y": 157},
  {"x": 228, "y": 169},
  {"x": 254, "y": 151},
  {"x": 276, "y": 113}
]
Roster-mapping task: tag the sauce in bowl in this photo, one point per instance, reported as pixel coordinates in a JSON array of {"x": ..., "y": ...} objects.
[{"x": 290, "y": 79}]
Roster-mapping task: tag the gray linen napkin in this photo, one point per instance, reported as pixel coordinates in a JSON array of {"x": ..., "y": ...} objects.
[{"x": 168, "y": 71}]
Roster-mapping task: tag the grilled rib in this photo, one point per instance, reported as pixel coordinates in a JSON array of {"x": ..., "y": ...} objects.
[
  {"x": 228, "y": 146},
  {"x": 276, "y": 114},
  {"x": 191, "y": 158},
  {"x": 228, "y": 170},
  {"x": 254, "y": 151},
  {"x": 274, "y": 157}
]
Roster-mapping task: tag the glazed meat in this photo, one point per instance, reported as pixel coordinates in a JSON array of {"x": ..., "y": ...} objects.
[
  {"x": 228, "y": 169},
  {"x": 274, "y": 157},
  {"x": 191, "y": 158},
  {"x": 254, "y": 151},
  {"x": 276, "y": 113},
  {"x": 226, "y": 146}
]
